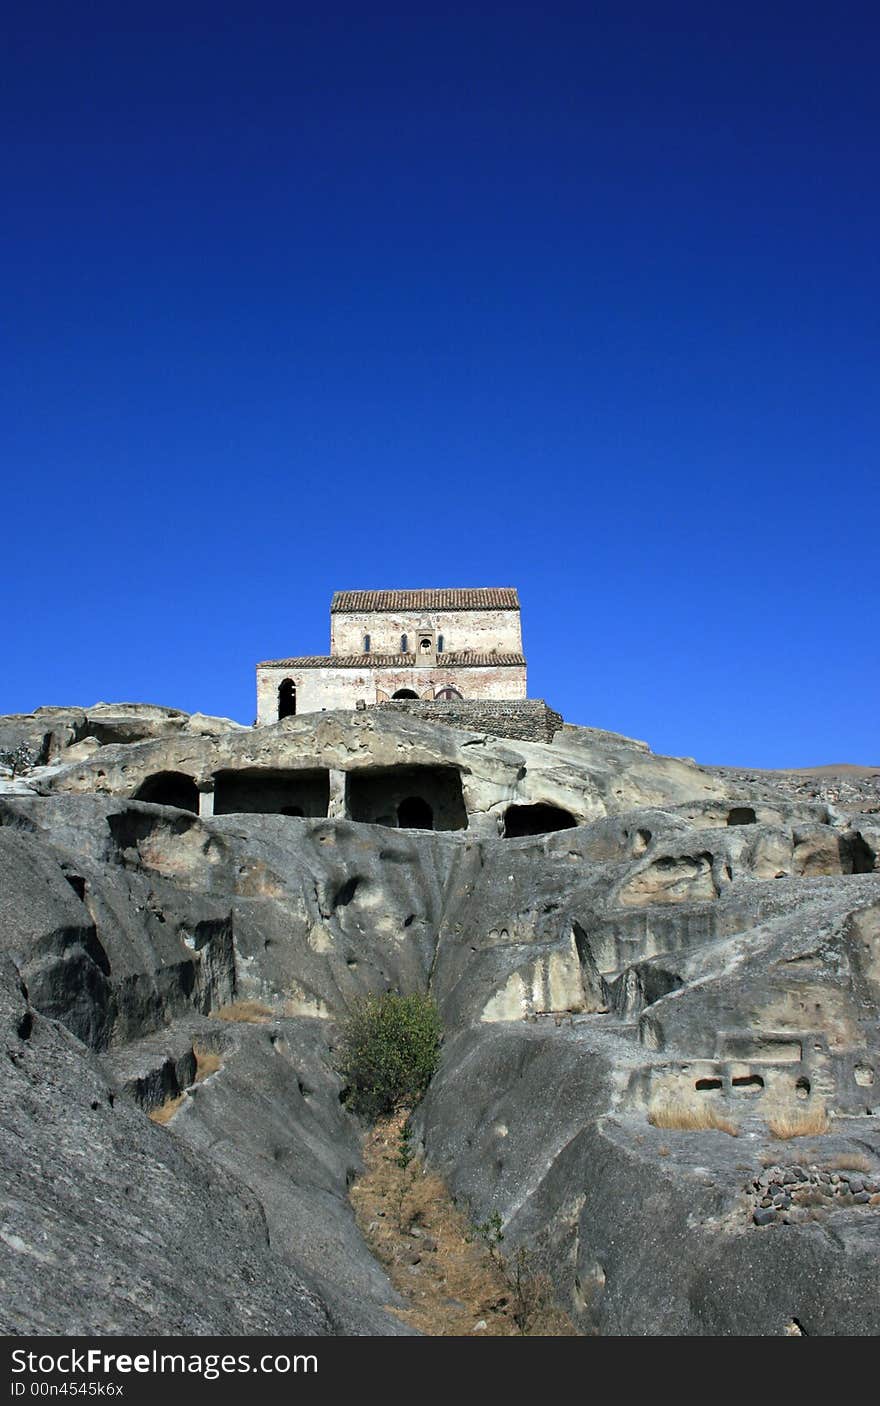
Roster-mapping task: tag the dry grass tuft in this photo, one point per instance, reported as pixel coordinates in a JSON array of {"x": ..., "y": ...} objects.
[
  {"x": 450, "y": 1273},
  {"x": 250, "y": 1012},
  {"x": 848, "y": 1162},
  {"x": 799, "y": 1124},
  {"x": 166, "y": 1111},
  {"x": 684, "y": 1116},
  {"x": 207, "y": 1063}
]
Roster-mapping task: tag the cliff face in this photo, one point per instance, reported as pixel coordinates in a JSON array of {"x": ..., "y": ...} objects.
[{"x": 696, "y": 950}]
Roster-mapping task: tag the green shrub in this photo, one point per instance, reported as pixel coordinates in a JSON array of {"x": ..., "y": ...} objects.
[{"x": 390, "y": 1046}]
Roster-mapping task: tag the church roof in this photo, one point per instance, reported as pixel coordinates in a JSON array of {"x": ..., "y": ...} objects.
[
  {"x": 452, "y": 659},
  {"x": 458, "y": 598}
]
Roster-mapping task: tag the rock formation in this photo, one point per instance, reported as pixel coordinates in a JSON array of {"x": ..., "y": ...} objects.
[{"x": 660, "y": 987}]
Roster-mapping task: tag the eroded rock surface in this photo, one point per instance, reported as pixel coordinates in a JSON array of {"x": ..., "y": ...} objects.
[{"x": 642, "y": 1003}]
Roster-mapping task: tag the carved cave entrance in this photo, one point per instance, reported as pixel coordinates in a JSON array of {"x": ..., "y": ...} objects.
[
  {"x": 415, "y": 814},
  {"x": 267, "y": 791},
  {"x": 408, "y": 798},
  {"x": 536, "y": 820},
  {"x": 170, "y": 788}
]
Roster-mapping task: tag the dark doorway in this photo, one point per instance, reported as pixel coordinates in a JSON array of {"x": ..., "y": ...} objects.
[
  {"x": 448, "y": 693},
  {"x": 404, "y": 693},
  {"x": 742, "y": 815},
  {"x": 170, "y": 788},
  {"x": 415, "y": 814},
  {"x": 536, "y": 820},
  {"x": 287, "y": 699}
]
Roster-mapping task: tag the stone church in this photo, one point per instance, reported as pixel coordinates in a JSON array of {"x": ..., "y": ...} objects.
[{"x": 384, "y": 645}]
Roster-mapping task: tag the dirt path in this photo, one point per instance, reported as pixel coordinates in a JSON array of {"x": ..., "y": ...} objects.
[{"x": 453, "y": 1283}]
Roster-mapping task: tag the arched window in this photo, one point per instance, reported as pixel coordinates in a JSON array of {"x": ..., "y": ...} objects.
[
  {"x": 448, "y": 692},
  {"x": 286, "y": 699},
  {"x": 439, "y": 644},
  {"x": 403, "y": 644},
  {"x": 366, "y": 644}
]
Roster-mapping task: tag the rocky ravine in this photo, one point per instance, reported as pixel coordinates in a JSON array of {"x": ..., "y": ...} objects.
[{"x": 639, "y": 1008}]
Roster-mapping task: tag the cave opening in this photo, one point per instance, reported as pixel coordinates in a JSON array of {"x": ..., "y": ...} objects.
[
  {"x": 409, "y": 798},
  {"x": 415, "y": 814},
  {"x": 170, "y": 788},
  {"x": 539, "y": 819},
  {"x": 272, "y": 791},
  {"x": 856, "y": 856}
]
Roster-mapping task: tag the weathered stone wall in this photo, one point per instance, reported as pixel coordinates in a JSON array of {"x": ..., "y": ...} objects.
[
  {"x": 332, "y": 687},
  {"x": 482, "y": 630},
  {"x": 526, "y": 719},
  {"x": 492, "y": 681},
  {"x": 316, "y": 689}
]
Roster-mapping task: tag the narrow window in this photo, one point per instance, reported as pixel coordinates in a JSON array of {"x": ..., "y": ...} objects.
[
  {"x": 287, "y": 699},
  {"x": 403, "y": 644},
  {"x": 366, "y": 644},
  {"x": 439, "y": 644}
]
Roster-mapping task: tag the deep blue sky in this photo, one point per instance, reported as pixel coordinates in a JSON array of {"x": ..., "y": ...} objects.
[{"x": 581, "y": 299}]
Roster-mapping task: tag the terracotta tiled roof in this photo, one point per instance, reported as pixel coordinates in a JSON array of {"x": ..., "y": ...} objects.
[
  {"x": 484, "y": 598},
  {"x": 470, "y": 658},
  {"x": 452, "y": 659}
]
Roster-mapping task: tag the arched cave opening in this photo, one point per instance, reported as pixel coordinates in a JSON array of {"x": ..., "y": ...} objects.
[
  {"x": 405, "y": 693},
  {"x": 170, "y": 788},
  {"x": 286, "y": 699},
  {"x": 415, "y": 814},
  {"x": 742, "y": 815},
  {"x": 538, "y": 819}
]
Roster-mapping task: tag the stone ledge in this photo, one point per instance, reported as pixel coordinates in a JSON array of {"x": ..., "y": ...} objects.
[{"x": 522, "y": 719}]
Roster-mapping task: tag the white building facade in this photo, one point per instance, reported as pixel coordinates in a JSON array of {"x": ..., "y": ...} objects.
[{"x": 423, "y": 644}]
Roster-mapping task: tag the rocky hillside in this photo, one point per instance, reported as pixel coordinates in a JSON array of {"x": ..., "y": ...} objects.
[{"x": 659, "y": 984}]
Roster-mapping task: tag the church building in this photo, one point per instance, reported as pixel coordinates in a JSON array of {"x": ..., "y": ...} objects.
[{"x": 384, "y": 645}]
